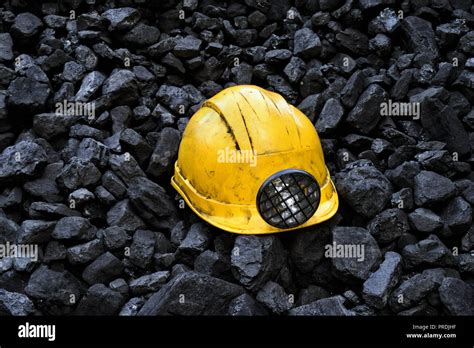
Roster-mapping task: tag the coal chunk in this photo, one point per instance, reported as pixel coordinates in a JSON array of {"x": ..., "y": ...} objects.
[
  {"x": 90, "y": 85},
  {"x": 353, "y": 89},
  {"x": 420, "y": 36},
  {"x": 149, "y": 283},
  {"x": 165, "y": 152},
  {"x": 306, "y": 43},
  {"x": 255, "y": 260},
  {"x": 100, "y": 300},
  {"x": 176, "y": 98},
  {"x": 274, "y": 297},
  {"x": 457, "y": 296},
  {"x": 280, "y": 85},
  {"x": 330, "y": 117},
  {"x": 13, "y": 303},
  {"x": 35, "y": 231},
  {"x": 431, "y": 188},
  {"x": 380, "y": 283},
  {"x": 414, "y": 289},
  {"x": 51, "y": 210},
  {"x": 195, "y": 242},
  {"x": 142, "y": 248},
  {"x": 11, "y": 197},
  {"x": 125, "y": 166},
  {"x": 28, "y": 95},
  {"x": 122, "y": 214},
  {"x": 21, "y": 161},
  {"x": 458, "y": 215},
  {"x": 355, "y": 265},
  {"x": 115, "y": 237},
  {"x": 295, "y": 70},
  {"x": 84, "y": 253},
  {"x": 46, "y": 187},
  {"x": 105, "y": 268},
  {"x": 121, "y": 86},
  {"x": 187, "y": 47},
  {"x": 245, "y": 305},
  {"x": 366, "y": 113},
  {"x": 150, "y": 199},
  {"x": 404, "y": 174},
  {"x": 141, "y": 35},
  {"x": 26, "y": 26},
  {"x": 278, "y": 56},
  {"x": 425, "y": 220},
  {"x": 212, "y": 263},
  {"x": 50, "y": 125},
  {"x": 311, "y": 294},
  {"x": 368, "y": 4},
  {"x": 354, "y": 41},
  {"x": 361, "y": 182},
  {"x": 331, "y": 306},
  {"x": 440, "y": 121},
  {"x": 388, "y": 225},
  {"x": 133, "y": 142},
  {"x": 429, "y": 252},
  {"x": 53, "y": 287},
  {"x": 200, "y": 294},
  {"x": 74, "y": 227},
  {"x": 78, "y": 173},
  {"x": 307, "y": 248},
  {"x": 6, "y": 46},
  {"x": 122, "y": 18}
]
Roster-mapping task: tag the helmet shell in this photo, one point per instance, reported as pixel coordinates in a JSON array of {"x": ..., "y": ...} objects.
[{"x": 233, "y": 143}]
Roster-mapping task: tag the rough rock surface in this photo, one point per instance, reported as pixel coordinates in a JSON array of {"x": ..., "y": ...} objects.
[{"x": 93, "y": 109}]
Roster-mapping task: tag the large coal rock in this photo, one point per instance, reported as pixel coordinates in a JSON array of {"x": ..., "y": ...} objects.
[
  {"x": 413, "y": 290},
  {"x": 54, "y": 288},
  {"x": 142, "y": 248},
  {"x": 6, "y": 47},
  {"x": 74, "y": 227},
  {"x": 331, "y": 306},
  {"x": 350, "y": 265},
  {"x": 424, "y": 220},
  {"x": 26, "y": 26},
  {"x": 365, "y": 115},
  {"x": 380, "y": 283},
  {"x": 100, "y": 300},
  {"x": 122, "y": 18},
  {"x": 255, "y": 260},
  {"x": 245, "y": 305},
  {"x": 306, "y": 43},
  {"x": 457, "y": 296},
  {"x": 274, "y": 297},
  {"x": 105, "y": 268},
  {"x": 431, "y": 188},
  {"x": 150, "y": 199},
  {"x": 121, "y": 86},
  {"x": 388, "y": 225},
  {"x": 358, "y": 184},
  {"x": 28, "y": 95},
  {"x": 307, "y": 248},
  {"x": 429, "y": 252},
  {"x": 420, "y": 36},
  {"x": 192, "y": 293},
  {"x": 440, "y": 121},
  {"x": 13, "y": 303},
  {"x": 78, "y": 173},
  {"x": 21, "y": 161}
]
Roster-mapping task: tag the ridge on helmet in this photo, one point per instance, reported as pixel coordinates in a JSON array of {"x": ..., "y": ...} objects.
[{"x": 251, "y": 163}]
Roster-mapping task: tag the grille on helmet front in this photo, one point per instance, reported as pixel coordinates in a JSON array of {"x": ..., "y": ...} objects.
[{"x": 288, "y": 198}]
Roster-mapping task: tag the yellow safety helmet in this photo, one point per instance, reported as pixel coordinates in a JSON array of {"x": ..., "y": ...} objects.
[{"x": 251, "y": 163}]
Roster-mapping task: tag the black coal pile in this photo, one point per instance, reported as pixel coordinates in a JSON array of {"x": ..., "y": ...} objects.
[{"x": 94, "y": 98}]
